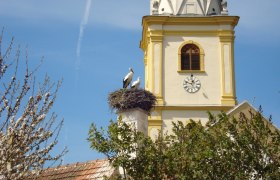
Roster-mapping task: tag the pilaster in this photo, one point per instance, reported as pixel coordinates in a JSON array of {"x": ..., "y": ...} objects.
[
  {"x": 155, "y": 124},
  {"x": 228, "y": 97},
  {"x": 156, "y": 40}
]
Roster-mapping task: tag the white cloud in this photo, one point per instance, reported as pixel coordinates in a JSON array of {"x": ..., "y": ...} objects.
[
  {"x": 256, "y": 13},
  {"x": 80, "y": 39},
  {"x": 36, "y": 10},
  {"x": 119, "y": 13},
  {"x": 257, "y": 16}
]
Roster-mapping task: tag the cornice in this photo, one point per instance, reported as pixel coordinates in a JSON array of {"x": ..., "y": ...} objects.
[
  {"x": 200, "y": 108},
  {"x": 147, "y": 21},
  {"x": 186, "y": 20}
]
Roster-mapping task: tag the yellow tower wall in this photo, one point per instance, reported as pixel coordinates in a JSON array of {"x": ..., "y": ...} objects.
[{"x": 162, "y": 39}]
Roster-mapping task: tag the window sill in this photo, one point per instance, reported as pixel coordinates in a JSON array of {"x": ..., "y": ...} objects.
[{"x": 191, "y": 71}]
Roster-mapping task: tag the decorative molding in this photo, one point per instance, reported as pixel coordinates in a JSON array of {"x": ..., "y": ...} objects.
[
  {"x": 196, "y": 107},
  {"x": 182, "y": 20},
  {"x": 228, "y": 101},
  {"x": 201, "y": 56},
  {"x": 191, "y": 71}
]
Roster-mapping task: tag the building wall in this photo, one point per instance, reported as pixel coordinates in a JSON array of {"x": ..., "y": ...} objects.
[
  {"x": 184, "y": 116},
  {"x": 162, "y": 39},
  {"x": 210, "y": 91}
]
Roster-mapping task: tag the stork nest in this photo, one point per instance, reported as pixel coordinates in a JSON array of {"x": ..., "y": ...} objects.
[{"x": 125, "y": 99}]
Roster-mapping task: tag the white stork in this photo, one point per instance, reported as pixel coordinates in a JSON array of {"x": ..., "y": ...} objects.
[
  {"x": 136, "y": 84},
  {"x": 127, "y": 79}
]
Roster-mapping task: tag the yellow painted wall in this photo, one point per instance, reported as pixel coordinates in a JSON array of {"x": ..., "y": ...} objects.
[{"x": 162, "y": 38}]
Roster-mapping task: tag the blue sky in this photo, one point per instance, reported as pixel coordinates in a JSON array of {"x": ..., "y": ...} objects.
[{"x": 110, "y": 44}]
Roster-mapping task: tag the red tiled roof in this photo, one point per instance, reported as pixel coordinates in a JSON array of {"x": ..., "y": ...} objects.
[{"x": 96, "y": 169}]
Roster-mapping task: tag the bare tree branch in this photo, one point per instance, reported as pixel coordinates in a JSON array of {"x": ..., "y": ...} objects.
[{"x": 27, "y": 133}]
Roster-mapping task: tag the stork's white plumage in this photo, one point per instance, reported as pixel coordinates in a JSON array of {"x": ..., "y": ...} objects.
[
  {"x": 136, "y": 84},
  {"x": 127, "y": 79}
]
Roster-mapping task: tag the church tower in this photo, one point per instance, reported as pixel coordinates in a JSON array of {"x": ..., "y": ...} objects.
[{"x": 189, "y": 60}]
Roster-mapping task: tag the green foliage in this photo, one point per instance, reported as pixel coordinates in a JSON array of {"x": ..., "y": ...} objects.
[
  {"x": 226, "y": 148},
  {"x": 118, "y": 143}
]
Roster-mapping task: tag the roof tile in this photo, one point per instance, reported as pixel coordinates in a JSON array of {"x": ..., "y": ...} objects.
[{"x": 96, "y": 169}]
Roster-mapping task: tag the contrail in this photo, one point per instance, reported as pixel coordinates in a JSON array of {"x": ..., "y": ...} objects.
[{"x": 81, "y": 34}]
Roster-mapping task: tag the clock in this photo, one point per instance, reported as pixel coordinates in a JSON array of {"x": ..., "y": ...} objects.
[{"x": 191, "y": 84}]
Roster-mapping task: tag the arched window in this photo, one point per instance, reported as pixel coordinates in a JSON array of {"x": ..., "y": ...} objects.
[{"x": 190, "y": 57}]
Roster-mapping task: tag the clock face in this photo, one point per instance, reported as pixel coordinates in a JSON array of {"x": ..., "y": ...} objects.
[{"x": 191, "y": 84}]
